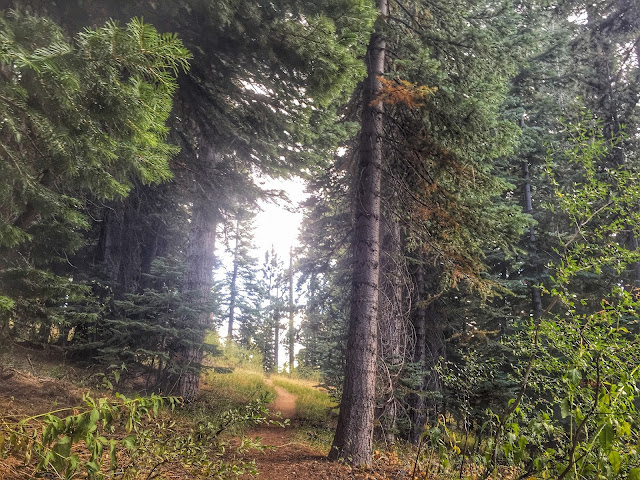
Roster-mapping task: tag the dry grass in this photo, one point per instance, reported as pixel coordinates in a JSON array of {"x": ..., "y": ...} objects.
[{"x": 313, "y": 405}]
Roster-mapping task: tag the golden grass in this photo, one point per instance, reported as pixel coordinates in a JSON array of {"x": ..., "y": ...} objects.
[
  {"x": 313, "y": 405},
  {"x": 235, "y": 388}
]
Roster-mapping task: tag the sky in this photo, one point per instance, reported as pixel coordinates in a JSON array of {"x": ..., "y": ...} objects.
[{"x": 275, "y": 224}]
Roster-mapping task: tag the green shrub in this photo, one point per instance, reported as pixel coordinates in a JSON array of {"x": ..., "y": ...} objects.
[{"x": 130, "y": 437}]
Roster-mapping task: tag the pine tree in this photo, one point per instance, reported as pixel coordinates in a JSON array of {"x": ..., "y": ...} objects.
[
  {"x": 84, "y": 121},
  {"x": 443, "y": 134},
  {"x": 353, "y": 440},
  {"x": 243, "y": 278},
  {"x": 264, "y": 113}
]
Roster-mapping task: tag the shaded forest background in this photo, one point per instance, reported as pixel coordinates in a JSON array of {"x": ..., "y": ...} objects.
[{"x": 504, "y": 137}]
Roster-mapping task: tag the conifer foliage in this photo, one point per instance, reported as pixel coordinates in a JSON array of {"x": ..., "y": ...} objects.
[
  {"x": 466, "y": 255},
  {"x": 83, "y": 120}
]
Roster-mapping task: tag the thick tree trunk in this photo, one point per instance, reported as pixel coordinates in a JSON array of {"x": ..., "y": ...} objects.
[
  {"x": 197, "y": 282},
  {"x": 129, "y": 266},
  {"x": 354, "y": 434}
]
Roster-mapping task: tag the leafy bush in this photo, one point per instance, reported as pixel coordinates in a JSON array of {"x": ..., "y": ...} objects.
[
  {"x": 235, "y": 356},
  {"x": 576, "y": 413},
  {"x": 129, "y": 437}
]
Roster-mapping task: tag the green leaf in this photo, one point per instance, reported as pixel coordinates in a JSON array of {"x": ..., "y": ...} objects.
[
  {"x": 6, "y": 303},
  {"x": 74, "y": 461},
  {"x": 634, "y": 474},
  {"x": 112, "y": 455},
  {"x": 93, "y": 420},
  {"x": 61, "y": 450},
  {"x": 606, "y": 437},
  {"x": 565, "y": 408},
  {"x": 574, "y": 376},
  {"x": 129, "y": 442},
  {"x": 616, "y": 460}
]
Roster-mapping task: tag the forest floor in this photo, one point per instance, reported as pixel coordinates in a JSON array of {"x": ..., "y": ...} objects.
[
  {"x": 292, "y": 459},
  {"x": 33, "y": 387}
]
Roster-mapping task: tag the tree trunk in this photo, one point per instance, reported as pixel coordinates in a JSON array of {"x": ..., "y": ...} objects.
[
  {"x": 392, "y": 322},
  {"x": 354, "y": 434},
  {"x": 430, "y": 348},
  {"x": 233, "y": 287},
  {"x": 417, "y": 400},
  {"x": 292, "y": 336},
  {"x": 536, "y": 294},
  {"x": 276, "y": 339},
  {"x": 528, "y": 201},
  {"x": 197, "y": 282}
]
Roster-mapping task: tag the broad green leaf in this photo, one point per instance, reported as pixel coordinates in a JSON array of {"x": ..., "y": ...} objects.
[
  {"x": 616, "y": 460},
  {"x": 74, "y": 461},
  {"x": 93, "y": 419},
  {"x": 61, "y": 450},
  {"x": 129, "y": 442},
  {"x": 634, "y": 474},
  {"x": 112, "y": 455},
  {"x": 606, "y": 437},
  {"x": 565, "y": 408},
  {"x": 624, "y": 428},
  {"x": 574, "y": 376}
]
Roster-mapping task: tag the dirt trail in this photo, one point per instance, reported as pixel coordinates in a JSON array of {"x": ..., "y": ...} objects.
[
  {"x": 294, "y": 460},
  {"x": 285, "y": 402},
  {"x": 24, "y": 394}
]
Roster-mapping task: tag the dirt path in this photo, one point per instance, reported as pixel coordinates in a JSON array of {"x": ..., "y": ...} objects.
[
  {"x": 294, "y": 460},
  {"x": 285, "y": 402}
]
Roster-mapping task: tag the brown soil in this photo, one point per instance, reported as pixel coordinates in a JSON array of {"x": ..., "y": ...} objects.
[
  {"x": 24, "y": 394},
  {"x": 285, "y": 402},
  {"x": 28, "y": 393},
  {"x": 294, "y": 460}
]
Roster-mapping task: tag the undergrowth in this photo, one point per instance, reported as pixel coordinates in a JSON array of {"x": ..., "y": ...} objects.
[
  {"x": 234, "y": 379},
  {"x": 128, "y": 438},
  {"x": 233, "y": 389}
]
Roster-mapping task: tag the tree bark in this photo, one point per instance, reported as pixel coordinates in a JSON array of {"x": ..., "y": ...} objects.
[
  {"x": 430, "y": 348},
  {"x": 536, "y": 294},
  {"x": 276, "y": 338},
  {"x": 354, "y": 434},
  {"x": 233, "y": 287},
  {"x": 292, "y": 336},
  {"x": 197, "y": 282},
  {"x": 417, "y": 401},
  {"x": 393, "y": 319}
]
